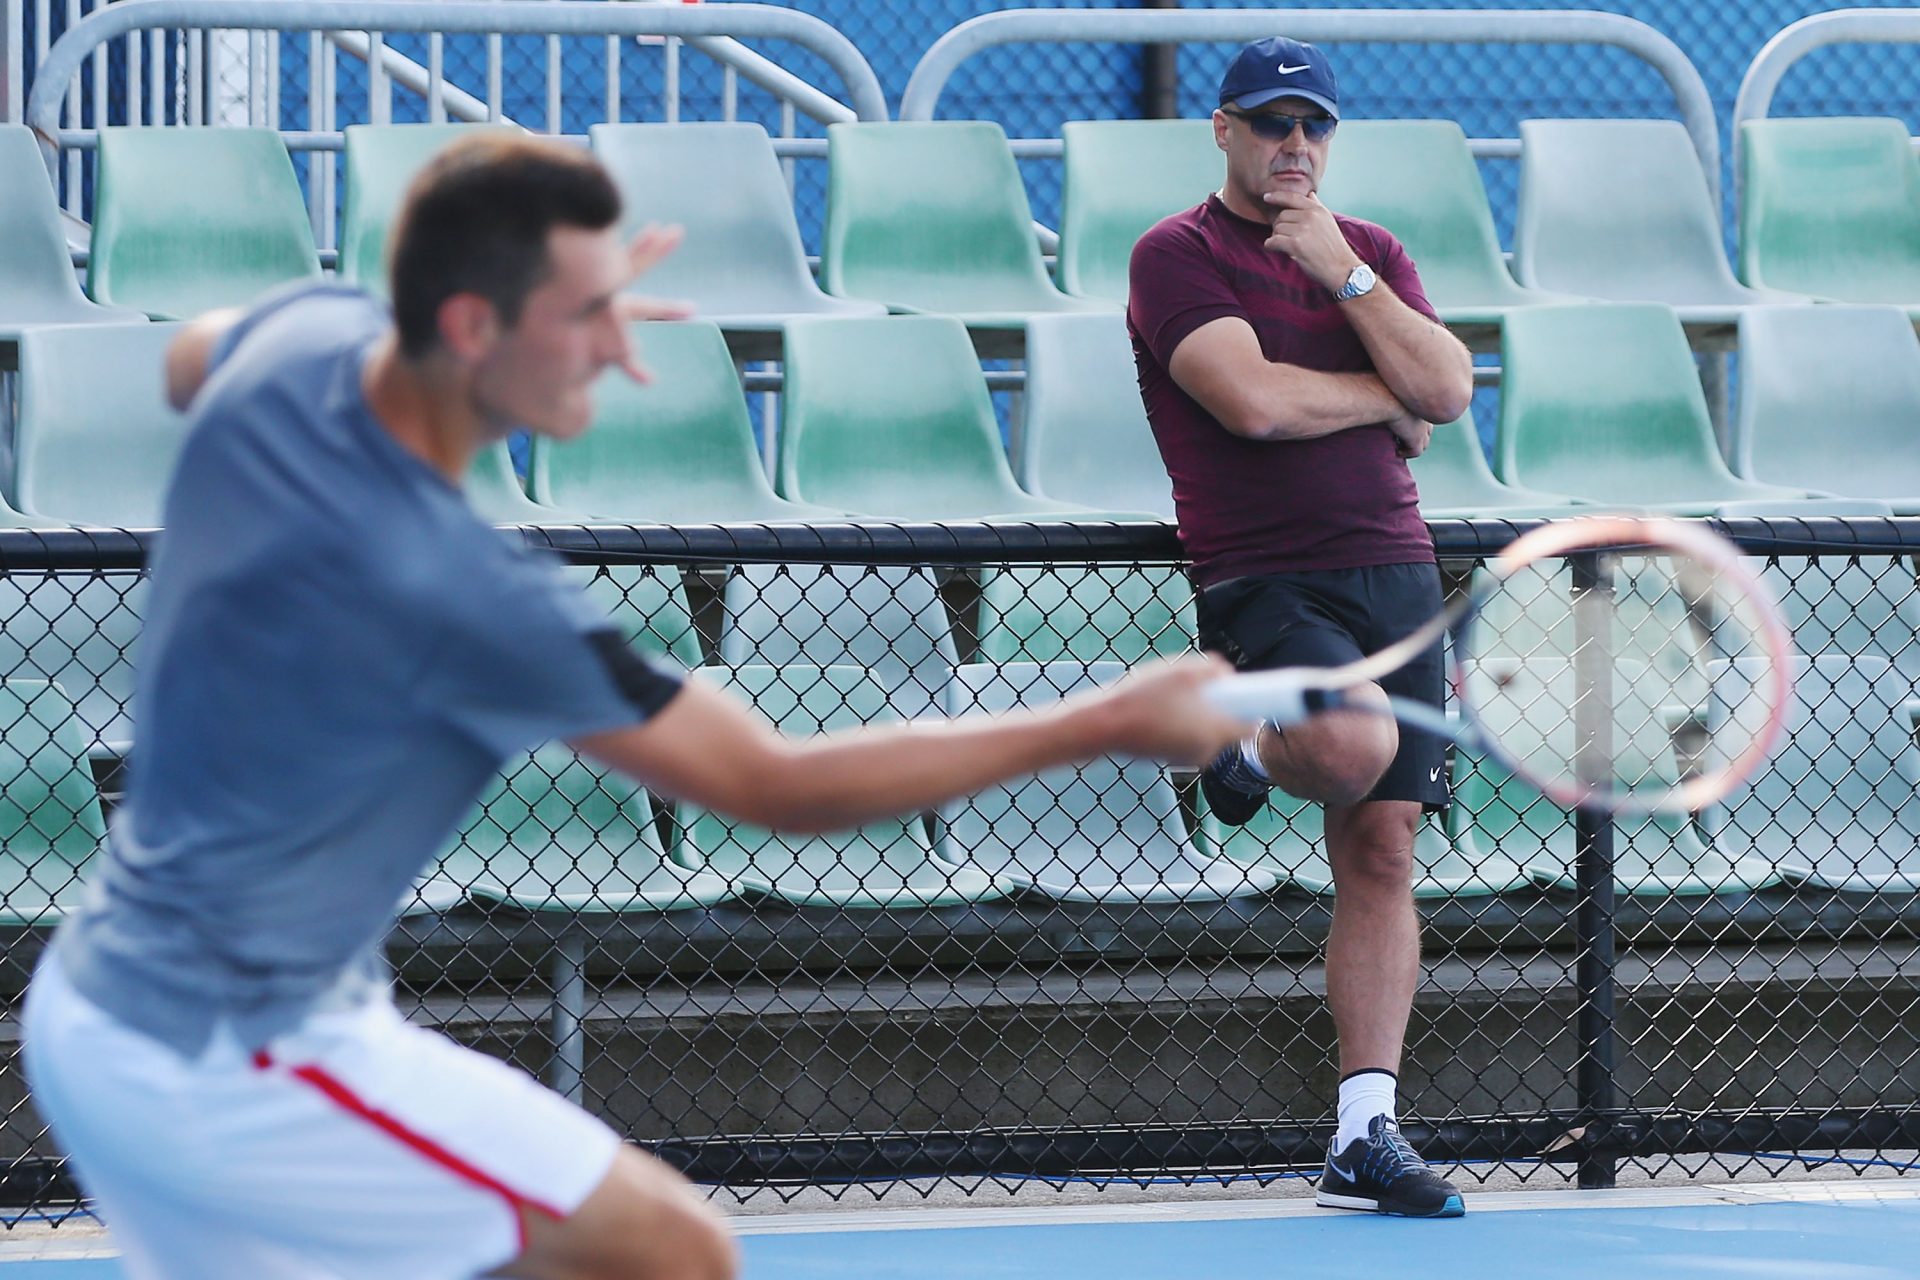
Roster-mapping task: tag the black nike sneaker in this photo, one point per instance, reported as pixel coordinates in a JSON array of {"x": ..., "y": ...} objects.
[
  {"x": 1234, "y": 792},
  {"x": 1381, "y": 1172}
]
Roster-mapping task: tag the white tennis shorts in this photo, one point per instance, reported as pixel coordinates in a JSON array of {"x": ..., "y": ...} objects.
[{"x": 356, "y": 1146}]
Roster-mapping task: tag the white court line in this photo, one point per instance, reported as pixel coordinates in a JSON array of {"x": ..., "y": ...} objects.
[{"x": 1242, "y": 1210}]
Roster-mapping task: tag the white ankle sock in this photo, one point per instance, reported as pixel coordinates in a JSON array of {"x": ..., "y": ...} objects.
[
  {"x": 1364, "y": 1095},
  {"x": 1250, "y": 752}
]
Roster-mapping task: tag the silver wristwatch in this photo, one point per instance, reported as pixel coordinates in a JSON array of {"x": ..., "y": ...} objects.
[{"x": 1360, "y": 281}]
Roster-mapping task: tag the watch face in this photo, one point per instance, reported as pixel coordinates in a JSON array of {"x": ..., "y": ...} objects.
[{"x": 1359, "y": 281}]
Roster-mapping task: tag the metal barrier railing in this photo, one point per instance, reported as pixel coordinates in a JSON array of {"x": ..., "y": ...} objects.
[
  {"x": 187, "y": 33},
  {"x": 1794, "y": 42},
  {"x": 1739, "y": 990},
  {"x": 1146, "y": 26}
]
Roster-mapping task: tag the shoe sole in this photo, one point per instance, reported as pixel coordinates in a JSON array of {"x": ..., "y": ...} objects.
[{"x": 1454, "y": 1206}]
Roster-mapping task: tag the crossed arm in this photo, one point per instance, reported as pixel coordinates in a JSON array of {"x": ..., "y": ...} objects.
[{"x": 1422, "y": 374}]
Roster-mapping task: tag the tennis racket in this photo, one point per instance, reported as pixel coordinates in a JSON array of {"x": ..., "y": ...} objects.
[{"x": 1625, "y": 664}]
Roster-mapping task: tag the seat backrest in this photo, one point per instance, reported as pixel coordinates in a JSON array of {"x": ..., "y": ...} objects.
[
  {"x": 96, "y": 439},
  {"x": 1086, "y": 613},
  {"x": 1604, "y": 401},
  {"x": 1084, "y": 433},
  {"x": 1121, "y": 810},
  {"x": 888, "y": 619},
  {"x": 647, "y": 603},
  {"x": 188, "y": 220},
  {"x": 1122, "y": 176},
  {"x": 381, "y": 161},
  {"x": 50, "y": 819},
  {"x": 1580, "y": 229},
  {"x": 1453, "y": 475},
  {"x": 723, "y": 183},
  {"x": 1857, "y": 608},
  {"x": 557, "y": 807},
  {"x": 1824, "y": 390},
  {"x": 1831, "y": 207},
  {"x": 678, "y": 449},
  {"x": 888, "y": 416},
  {"x": 37, "y": 283},
  {"x": 931, "y": 210},
  {"x": 1847, "y": 773},
  {"x": 1419, "y": 180}
]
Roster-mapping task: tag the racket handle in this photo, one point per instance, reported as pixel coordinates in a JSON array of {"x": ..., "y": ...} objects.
[{"x": 1281, "y": 697}]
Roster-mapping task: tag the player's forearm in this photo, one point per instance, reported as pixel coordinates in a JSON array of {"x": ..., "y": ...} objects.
[
  {"x": 1426, "y": 368},
  {"x": 844, "y": 779}
]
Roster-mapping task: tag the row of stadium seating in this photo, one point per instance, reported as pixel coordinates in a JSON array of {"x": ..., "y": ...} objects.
[
  {"x": 932, "y": 217},
  {"x": 1601, "y": 405},
  {"x": 828, "y": 646}
]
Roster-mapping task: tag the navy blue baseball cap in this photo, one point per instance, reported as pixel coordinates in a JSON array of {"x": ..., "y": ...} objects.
[{"x": 1280, "y": 68}]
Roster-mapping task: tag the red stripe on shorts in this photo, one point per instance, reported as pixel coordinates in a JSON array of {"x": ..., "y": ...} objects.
[{"x": 347, "y": 1100}]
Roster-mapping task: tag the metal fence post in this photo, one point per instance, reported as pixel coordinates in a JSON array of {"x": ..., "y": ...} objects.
[
  {"x": 1160, "y": 74},
  {"x": 13, "y": 69},
  {"x": 1594, "y": 844}
]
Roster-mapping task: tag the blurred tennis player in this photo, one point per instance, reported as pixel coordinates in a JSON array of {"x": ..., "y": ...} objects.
[{"x": 337, "y": 657}]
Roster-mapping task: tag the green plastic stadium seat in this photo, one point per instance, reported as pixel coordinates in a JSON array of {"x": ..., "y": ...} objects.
[
  {"x": 187, "y": 220},
  {"x": 1496, "y": 813},
  {"x": 1087, "y": 613},
  {"x": 1857, "y": 609},
  {"x": 1457, "y": 484},
  {"x": 1084, "y": 435},
  {"x": 677, "y": 451},
  {"x": 644, "y": 602},
  {"x": 80, "y": 629},
  {"x": 884, "y": 864},
  {"x": 1122, "y": 176},
  {"x": 1109, "y": 831},
  {"x": 1581, "y": 229},
  {"x": 930, "y": 216},
  {"x": 381, "y": 160},
  {"x": 1419, "y": 180},
  {"x": 1603, "y": 402},
  {"x": 494, "y": 492},
  {"x": 1827, "y": 398},
  {"x": 37, "y": 284},
  {"x": 742, "y": 264},
  {"x": 1831, "y": 207},
  {"x": 93, "y": 449},
  {"x": 887, "y": 619},
  {"x": 50, "y": 821},
  {"x": 558, "y": 833},
  {"x": 1838, "y": 805},
  {"x": 647, "y": 603},
  {"x": 891, "y": 418}
]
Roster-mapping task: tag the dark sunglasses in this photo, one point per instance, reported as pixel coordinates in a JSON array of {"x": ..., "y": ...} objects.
[{"x": 1278, "y": 128}]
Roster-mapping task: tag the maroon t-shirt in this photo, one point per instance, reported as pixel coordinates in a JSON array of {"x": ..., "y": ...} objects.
[{"x": 1245, "y": 506}]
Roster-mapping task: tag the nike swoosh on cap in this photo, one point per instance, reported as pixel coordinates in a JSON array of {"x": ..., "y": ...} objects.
[{"x": 1286, "y": 70}]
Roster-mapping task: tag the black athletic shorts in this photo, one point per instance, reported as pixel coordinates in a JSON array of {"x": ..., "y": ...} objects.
[{"x": 1327, "y": 617}]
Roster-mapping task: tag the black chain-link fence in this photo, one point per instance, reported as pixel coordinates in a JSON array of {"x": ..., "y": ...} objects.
[{"x": 1083, "y": 975}]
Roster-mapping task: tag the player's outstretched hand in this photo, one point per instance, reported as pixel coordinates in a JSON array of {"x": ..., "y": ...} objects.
[
  {"x": 1160, "y": 711},
  {"x": 644, "y": 252}
]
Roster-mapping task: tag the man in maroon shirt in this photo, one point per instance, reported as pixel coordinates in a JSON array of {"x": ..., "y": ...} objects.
[{"x": 1290, "y": 365}]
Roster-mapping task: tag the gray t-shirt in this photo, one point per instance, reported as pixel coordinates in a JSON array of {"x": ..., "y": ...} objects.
[{"x": 337, "y": 656}]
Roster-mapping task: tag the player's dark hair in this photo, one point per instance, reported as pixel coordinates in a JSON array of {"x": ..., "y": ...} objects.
[{"x": 476, "y": 220}]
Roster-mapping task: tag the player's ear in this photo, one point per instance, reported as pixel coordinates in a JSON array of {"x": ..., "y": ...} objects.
[
  {"x": 469, "y": 325},
  {"x": 1220, "y": 123}
]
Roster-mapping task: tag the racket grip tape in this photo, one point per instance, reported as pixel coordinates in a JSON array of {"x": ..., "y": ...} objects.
[{"x": 1283, "y": 697}]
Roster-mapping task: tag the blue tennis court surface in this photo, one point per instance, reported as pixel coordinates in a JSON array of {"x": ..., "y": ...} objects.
[{"x": 1856, "y": 1231}]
